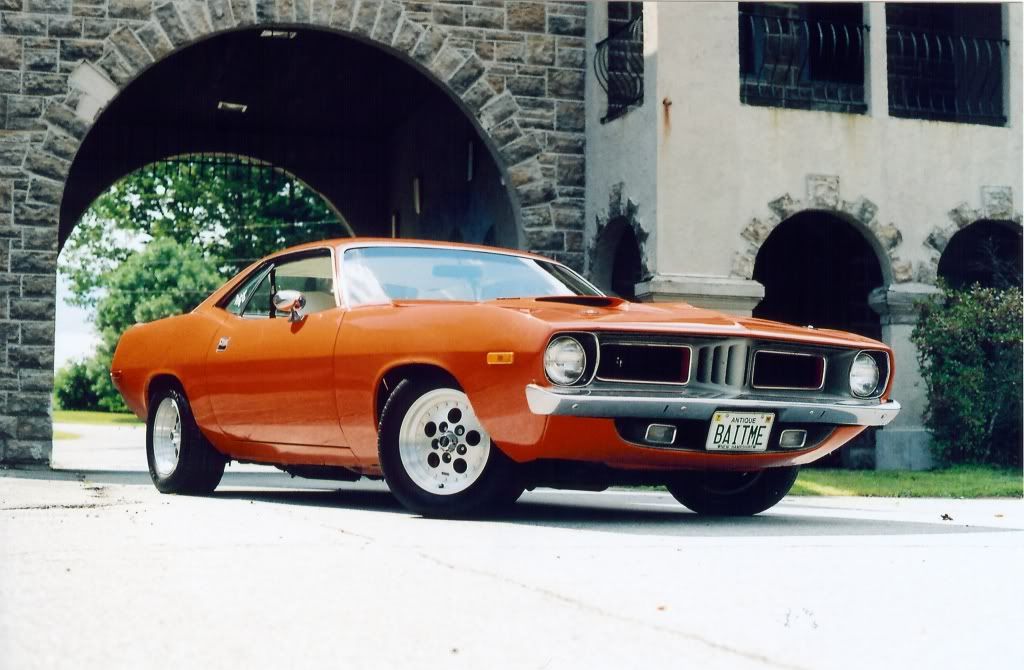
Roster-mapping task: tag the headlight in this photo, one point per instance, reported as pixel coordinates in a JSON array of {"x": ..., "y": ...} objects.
[
  {"x": 564, "y": 361},
  {"x": 863, "y": 375}
]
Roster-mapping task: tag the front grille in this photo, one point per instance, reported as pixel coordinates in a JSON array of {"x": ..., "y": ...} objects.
[
  {"x": 724, "y": 364},
  {"x": 644, "y": 363},
  {"x": 788, "y": 370}
]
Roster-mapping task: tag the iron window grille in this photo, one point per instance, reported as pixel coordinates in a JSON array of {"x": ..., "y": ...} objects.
[
  {"x": 802, "y": 62},
  {"x": 945, "y": 76},
  {"x": 619, "y": 65}
]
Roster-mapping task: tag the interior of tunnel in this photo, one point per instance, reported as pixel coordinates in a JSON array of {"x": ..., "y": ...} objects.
[
  {"x": 818, "y": 270},
  {"x": 376, "y": 136},
  {"x": 988, "y": 253}
]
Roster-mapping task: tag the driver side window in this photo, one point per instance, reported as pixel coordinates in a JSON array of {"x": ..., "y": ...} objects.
[{"x": 313, "y": 275}]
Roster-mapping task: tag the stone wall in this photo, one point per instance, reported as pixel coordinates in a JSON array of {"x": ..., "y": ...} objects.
[{"x": 516, "y": 67}]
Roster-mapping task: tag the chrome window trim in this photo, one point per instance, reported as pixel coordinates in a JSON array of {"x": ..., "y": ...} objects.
[
  {"x": 753, "y": 370},
  {"x": 689, "y": 366},
  {"x": 265, "y": 268}
]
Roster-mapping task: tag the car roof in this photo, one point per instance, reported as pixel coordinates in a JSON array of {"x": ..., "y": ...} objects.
[{"x": 342, "y": 243}]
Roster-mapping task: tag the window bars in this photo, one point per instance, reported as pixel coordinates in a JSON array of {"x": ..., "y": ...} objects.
[
  {"x": 802, "y": 63},
  {"x": 619, "y": 65},
  {"x": 946, "y": 77}
]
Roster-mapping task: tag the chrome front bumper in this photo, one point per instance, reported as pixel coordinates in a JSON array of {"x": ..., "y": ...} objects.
[{"x": 592, "y": 403}]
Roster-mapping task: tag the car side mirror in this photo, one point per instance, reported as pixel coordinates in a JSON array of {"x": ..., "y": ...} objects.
[{"x": 292, "y": 302}]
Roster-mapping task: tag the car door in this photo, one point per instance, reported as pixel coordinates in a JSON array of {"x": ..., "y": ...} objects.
[{"x": 271, "y": 379}]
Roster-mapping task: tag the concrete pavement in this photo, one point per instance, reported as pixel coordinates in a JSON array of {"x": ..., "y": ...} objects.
[{"x": 97, "y": 569}]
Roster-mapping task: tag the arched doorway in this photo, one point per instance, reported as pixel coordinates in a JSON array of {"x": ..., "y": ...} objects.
[
  {"x": 985, "y": 252},
  {"x": 373, "y": 134},
  {"x": 617, "y": 261},
  {"x": 818, "y": 270}
]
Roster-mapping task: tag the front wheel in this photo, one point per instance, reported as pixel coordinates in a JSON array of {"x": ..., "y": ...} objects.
[
  {"x": 181, "y": 460},
  {"x": 732, "y": 493},
  {"x": 437, "y": 458}
]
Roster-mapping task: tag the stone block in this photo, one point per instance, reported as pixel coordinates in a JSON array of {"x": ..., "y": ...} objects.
[
  {"x": 10, "y": 53},
  {"x": 466, "y": 74},
  {"x": 220, "y": 15},
  {"x": 32, "y": 404},
  {"x": 45, "y": 165},
  {"x": 566, "y": 25},
  {"x": 81, "y": 49},
  {"x": 387, "y": 22},
  {"x": 170, "y": 20},
  {"x": 27, "y": 452},
  {"x": 527, "y": 16},
  {"x": 130, "y": 48},
  {"x": 545, "y": 240},
  {"x": 138, "y": 10},
  {"x": 536, "y": 193},
  {"x": 449, "y": 14},
  {"x": 565, "y": 84},
  {"x": 570, "y": 116},
  {"x": 366, "y": 16},
  {"x": 536, "y": 217},
  {"x": 571, "y": 171},
  {"x": 65, "y": 118},
  {"x": 33, "y": 262},
  {"x": 522, "y": 149},
  {"x": 245, "y": 14},
  {"x": 45, "y": 83},
  {"x": 45, "y": 191},
  {"x": 485, "y": 17}
]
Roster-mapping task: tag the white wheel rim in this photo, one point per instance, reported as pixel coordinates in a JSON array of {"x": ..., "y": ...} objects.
[
  {"x": 166, "y": 437},
  {"x": 441, "y": 455}
]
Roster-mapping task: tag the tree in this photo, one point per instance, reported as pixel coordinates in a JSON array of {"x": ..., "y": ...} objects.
[{"x": 233, "y": 212}]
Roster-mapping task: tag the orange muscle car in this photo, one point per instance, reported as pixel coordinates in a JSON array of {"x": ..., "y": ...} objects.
[{"x": 463, "y": 375}]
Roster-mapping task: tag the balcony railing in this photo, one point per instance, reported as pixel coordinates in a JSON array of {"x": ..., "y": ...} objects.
[
  {"x": 946, "y": 77},
  {"x": 619, "y": 65},
  {"x": 802, "y": 63}
]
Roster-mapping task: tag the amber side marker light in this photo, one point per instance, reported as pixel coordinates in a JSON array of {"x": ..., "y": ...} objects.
[{"x": 500, "y": 358}]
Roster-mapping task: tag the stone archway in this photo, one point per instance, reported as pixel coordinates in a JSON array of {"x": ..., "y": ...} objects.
[
  {"x": 619, "y": 251},
  {"x": 823, "y": 196},
  {"x": 996, "y": 205},
  {"x": 516, "y": 69}
]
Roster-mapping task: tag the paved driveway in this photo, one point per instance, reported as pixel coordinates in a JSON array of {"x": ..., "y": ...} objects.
[{"x": 99, "y": 570}]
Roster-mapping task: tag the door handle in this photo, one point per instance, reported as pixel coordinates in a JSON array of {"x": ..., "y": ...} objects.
[{"x": 223, "y": 343}]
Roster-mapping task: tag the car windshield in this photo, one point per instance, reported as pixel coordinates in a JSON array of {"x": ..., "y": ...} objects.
[{"x": 375, "y": 275}]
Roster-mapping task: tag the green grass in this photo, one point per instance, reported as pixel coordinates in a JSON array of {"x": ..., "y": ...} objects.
[
  {"x": 962, "y": 481},
  {"x": 70, "y": 416},
  {"x": 64, "y": 435}
]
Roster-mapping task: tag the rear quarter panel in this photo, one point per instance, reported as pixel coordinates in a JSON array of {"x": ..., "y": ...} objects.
[{"x": 174, "y": 346}]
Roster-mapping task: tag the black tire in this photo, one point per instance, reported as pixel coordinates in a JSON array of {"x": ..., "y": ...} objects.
[
  {"x": 720, "y": 493},
  {"x": 199, "y": 466},
  {"x": 497, "y": 486}
]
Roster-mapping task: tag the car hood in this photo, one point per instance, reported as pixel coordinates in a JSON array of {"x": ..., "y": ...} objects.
[{"x": 599, "y": 313}]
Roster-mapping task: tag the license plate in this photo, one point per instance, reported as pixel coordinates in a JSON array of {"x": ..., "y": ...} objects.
[{"x": 739, "y": 431}]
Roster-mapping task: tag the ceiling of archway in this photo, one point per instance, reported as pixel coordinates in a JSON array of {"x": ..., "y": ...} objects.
[{"x": 319, "y": 105}]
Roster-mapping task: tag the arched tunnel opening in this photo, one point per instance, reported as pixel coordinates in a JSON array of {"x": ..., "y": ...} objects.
[
  {"x": 368, "y": 130},
  {"x": 366, "y": 139}
]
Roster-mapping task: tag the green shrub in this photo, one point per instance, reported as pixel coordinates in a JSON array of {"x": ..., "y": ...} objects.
[
  {"x": 72, "y": 387},
  {"x": 970, "y": 349}
]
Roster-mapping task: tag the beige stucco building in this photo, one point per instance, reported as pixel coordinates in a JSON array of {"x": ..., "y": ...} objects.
[{"x": 804, "y": 163}]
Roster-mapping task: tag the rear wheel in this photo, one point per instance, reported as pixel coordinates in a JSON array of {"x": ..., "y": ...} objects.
[
  {"x": 437, "y": 458},
  {"x": 181, "y": 460},
  {"x": 732, "y": 493}
]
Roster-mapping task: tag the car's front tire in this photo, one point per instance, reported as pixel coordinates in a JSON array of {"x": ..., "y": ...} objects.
[
  {"x": 437, "y": 458},
  {"x": 722, "y": 493},
  {"x": 181, "y": 459}
]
